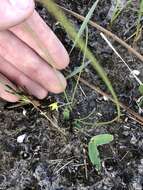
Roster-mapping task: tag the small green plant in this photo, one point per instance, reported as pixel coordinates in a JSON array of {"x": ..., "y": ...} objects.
[
  {"x": 116, "y": 12},
  {"x": 78, "y": 123},
  {"x": 81, "y": 68},
  {"x": 93, "y": 152},
  {"x": 70, "y": 29},
  {"x": 139, "y": 27},
  {"x": 84, "y": 24},
  {"x": 66, "y": 114},
  {"x": 140, "y": 99},
  {"x": 77, "y": 70},
  {"x": 141, "y": 89},
  {"x": 118, "y": 9}
]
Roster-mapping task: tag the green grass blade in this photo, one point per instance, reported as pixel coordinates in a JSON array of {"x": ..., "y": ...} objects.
[
  {"x": 83, "y": 62},
  {"x": 77, "y": 70},
  {"x": 140, "y": 14},
  {"x": 84, "y": 24},
  {"x": 118, "y": 9}
]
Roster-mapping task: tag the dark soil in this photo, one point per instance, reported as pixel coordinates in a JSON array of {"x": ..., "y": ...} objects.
[{"x": 45, "y": 160}]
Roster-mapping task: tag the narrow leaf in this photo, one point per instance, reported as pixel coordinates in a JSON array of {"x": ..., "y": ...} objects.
[
  {"x": 141, "y": 89},
  {"x": 84, "y": 24},
  {"x": 77, "y": 70}
]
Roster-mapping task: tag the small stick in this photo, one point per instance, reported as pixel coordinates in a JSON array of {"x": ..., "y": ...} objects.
[{"x": 85, "y": 163}]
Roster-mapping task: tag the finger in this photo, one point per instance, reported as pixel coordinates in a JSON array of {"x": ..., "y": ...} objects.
[
  {"x": 4, "y": 91},
  {"x": 13, "y": 12},
  {"x": 20, "y": 79},
  {"x": 28, "y": 62},
  {"x": 49, "y": 40}
]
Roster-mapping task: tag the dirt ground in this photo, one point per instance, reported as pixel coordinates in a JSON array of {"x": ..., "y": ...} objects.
[{"x": 47, "y": 161}]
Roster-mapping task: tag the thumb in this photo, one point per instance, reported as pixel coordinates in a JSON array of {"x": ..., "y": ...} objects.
[{"x": 12, "y": 12}]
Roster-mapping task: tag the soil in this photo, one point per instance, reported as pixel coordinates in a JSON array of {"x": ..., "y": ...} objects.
[{"x": 47, "y": 161}]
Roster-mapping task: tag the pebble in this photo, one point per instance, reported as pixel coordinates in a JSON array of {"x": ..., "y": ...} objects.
[
  {"x": 136, "y": 72},
  {"x": 126, "y": 127},
  {"x": 21, "y": 138},
  {"x": 24, "y": 112},
  {"x": 141, "y": 161},
  {"x": 136, "y": 186},
  {"x": 140, "y": 169},
  {"x": 126, "y": 133},
  {"x": 141, "y": 144},
  {"x": 133, "y": 140},
  {"x": 105, "y": 98}
]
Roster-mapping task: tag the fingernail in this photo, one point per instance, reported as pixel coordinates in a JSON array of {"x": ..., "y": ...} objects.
[
  {"x": 61, "y": 82},
  {"x": 20, "y": 4}
]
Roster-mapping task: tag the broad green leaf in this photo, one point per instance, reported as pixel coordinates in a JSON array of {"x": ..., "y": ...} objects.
[
  {"x": 94, "y": 155},
  {"x": 93, "y": 151},
  {"x": 141, "y": 89},
  {"x": 102, "y": 139}
]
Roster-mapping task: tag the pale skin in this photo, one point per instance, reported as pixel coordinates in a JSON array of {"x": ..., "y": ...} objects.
[{"x": 22, "y": 61}]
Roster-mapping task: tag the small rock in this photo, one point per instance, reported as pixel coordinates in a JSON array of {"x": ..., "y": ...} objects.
[
  {"x": 135, "y": 72},
  {"x": 21, "y": 138},
  {"x": 140, "y": 169},
  {"x": 133, "y": 140},
  {"x": 126, "y": 133},
  {"x": 105, "y": 98},
  {"x": 24, "y": 112},
  {"x": 141, "y": 161},
  {"x": 136, "y": 186},
  {"x": 126, "y": 127}
]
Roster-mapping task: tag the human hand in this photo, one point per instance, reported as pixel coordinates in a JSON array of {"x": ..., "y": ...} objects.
[{"x": 21, "y": 59}]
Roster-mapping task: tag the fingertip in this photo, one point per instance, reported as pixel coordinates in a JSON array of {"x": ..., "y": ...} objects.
[
  {"x": 6, "y": 93},
  {"x": 61, "y": 83},
  {"x": 64, "y": 60},
  {"x": 42, "y": 94},
  {"x": 9, "y": 97},
  {"x": 59, "y": 53}
]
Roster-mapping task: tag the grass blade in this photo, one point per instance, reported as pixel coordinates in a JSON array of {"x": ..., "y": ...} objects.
[
  {"x": 83, "y": 62},
  {"x": 139, "y": 27},
  {"x": 84, "y": 24}
]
